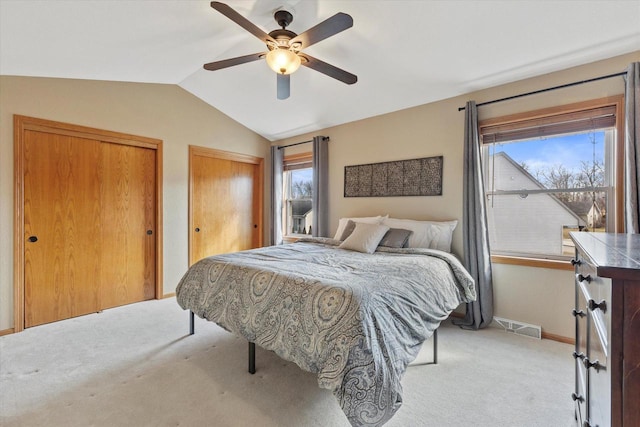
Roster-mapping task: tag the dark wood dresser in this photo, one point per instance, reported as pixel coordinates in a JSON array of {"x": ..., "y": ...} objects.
[{"x": 607, "y": 315}]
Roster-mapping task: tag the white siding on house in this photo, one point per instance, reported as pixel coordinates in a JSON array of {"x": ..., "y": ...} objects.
[{"x": 523, "y": 223}]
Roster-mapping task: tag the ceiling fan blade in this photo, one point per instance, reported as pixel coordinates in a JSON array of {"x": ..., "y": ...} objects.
[
  {"x": 241, "y": 20},
  {"x": 327, "y": 28},
  {"x": 284, "y": 85},
  {"x": 217, "y": 65},
  {"x": 328, "y": 69}
]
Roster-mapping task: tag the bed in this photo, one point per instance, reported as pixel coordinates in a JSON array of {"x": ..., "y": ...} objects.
[{"x": 355, "y": 319}]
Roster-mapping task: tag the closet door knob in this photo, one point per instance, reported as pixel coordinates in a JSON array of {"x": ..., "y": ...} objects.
[
  {"x": 33, "y": 239},
  {"x": 197, "y": 229},
  {"x": 149, "y": 232}
]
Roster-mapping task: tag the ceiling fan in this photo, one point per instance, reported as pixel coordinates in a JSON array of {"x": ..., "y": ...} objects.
[{"x": 285, "y": 47}]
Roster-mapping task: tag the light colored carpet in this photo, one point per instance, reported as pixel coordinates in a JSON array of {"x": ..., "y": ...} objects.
[{"x": 137, "y": 366}]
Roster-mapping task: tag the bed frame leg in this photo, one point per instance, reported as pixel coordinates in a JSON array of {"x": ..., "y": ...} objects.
[
  {"x": 191, "y": 323},
  {"x": 252, "y": 358},
  {"x": 435, "y": 347}
]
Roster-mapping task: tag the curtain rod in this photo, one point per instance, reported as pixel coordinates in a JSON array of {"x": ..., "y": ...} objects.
[
  {"x": 280, "y": 147},
  {"x": 548, "y": 89}
]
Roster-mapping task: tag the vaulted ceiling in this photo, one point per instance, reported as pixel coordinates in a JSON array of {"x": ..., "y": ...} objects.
[{"x": 405, "y": 53}]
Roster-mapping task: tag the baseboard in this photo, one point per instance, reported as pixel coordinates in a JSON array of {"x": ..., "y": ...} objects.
[
  {"x": 6, "y": 331},
  {"x": 545, "y": 335},
  {"x": 559, "y": 338},
  {"x": 169, "y": 295}
]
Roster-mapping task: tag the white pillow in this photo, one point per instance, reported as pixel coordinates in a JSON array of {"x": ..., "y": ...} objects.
[
  {"x": 365, "y": 237},
  {"x": 365, "y": 220},
  {"x": 426, "y": 234}
]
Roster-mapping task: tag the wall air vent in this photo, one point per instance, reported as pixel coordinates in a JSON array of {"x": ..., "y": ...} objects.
[{"x": 518, "y": 328}]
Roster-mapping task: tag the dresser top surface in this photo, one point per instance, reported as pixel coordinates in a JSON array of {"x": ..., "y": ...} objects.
[{"x": 614, "y": 255}]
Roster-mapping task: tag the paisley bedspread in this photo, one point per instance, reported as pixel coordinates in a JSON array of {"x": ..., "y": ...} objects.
[{"x": 355, "y": 319}]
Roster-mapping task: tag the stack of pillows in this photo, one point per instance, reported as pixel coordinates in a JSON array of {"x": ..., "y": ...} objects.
[{"x": 365, "y": 234}]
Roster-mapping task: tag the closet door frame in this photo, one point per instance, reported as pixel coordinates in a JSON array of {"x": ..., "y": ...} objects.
[{"x": 21, "y": 124}]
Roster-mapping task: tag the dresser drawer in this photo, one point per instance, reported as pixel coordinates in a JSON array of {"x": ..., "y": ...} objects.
[
  {"x": 597, "y": 300},
  {"x": 580, "y": 395},
  {"x": 598, "y": 375}
]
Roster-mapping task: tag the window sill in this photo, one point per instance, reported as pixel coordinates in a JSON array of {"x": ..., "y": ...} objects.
[
  {"x": 532, "y": 262},
  {"x": 294, "y": 238}
]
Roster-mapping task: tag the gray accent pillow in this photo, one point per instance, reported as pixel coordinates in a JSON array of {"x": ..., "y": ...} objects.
[
  {"x": 395, "y": 238},
  {"x": 348, "y": 229}
]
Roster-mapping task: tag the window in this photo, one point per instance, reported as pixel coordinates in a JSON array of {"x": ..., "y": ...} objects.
[
  {"x": 298, "y": 184},
  {"x": 550, "y": 172}
]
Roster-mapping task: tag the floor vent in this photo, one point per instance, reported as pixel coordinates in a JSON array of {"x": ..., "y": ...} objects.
[{"x": 518, "y": 328}]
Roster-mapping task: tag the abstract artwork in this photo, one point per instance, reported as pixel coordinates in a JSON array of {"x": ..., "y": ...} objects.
[{"x": 416, "y": 177}]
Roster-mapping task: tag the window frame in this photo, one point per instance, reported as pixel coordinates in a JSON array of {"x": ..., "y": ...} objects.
[
  {"x": 293, "y": 162},
  {"x": 548, "y": 116}
]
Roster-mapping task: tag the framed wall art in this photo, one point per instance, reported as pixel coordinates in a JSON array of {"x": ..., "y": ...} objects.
[{"x": 415, "y": 177}]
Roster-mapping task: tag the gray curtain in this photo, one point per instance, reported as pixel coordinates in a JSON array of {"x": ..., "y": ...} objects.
[
  {"x": 632, "y": 149},
  {"x": 474, "y": 222},
  {"x": 275, "y": 227},
  {"x": 320, "y": 196}
]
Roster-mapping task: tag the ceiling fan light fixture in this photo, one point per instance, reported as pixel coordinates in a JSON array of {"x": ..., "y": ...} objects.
[{"x": 283, "y": 61}]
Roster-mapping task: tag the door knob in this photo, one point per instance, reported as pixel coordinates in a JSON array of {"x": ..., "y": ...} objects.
[
  {"x": 33, "y": 239},
  {"x": 149, "y": 232},
  {"x": 197, "y": 229}
]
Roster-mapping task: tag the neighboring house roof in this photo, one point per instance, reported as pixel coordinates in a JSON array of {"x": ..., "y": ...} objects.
[
  {"x": 300, "y": 207},
  {"x": 581, "y": 207}
]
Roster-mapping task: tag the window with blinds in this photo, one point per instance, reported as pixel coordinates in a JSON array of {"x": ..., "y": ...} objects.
[
  {"x": 297, "y": 192},
  {"x": 550, "y": 172}
]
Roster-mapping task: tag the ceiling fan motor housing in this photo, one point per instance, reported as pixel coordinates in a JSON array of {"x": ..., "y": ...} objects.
[
  {"x": 283, "y": 18},
  {"x": 282, "y": 37}
]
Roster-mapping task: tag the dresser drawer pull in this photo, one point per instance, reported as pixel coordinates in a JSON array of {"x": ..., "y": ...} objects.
[
  {"x": 589, "y": 364},
  {"x": 576, "y": 262},
  {"x": 577, "y": 397},
  {"x": 577, "y": 355},
  {"x": 602, "y": 305},
  {"x": 578, "y": 313},
  {"x": 586, "y": 278}
]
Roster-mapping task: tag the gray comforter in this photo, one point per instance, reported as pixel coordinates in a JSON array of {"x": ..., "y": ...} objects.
[{"x": 355, "y": 319}]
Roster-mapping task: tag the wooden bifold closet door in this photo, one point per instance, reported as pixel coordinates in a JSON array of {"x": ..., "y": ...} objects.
[
  {"x": 61, "y": 210},
  {"x": 225, "y": 202},
  {"x": 128, "y": 225},
  {"x": 89, "y": 225}
]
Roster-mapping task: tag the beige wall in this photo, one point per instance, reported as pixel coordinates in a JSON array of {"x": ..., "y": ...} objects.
[
  {"x": 532, "y": 295},
  {"x": 539, "y": 296},
  {"x": 166, "y": 112}
]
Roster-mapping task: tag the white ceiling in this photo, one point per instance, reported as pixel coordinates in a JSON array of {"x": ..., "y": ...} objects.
[{"x": 405, "y": 53}]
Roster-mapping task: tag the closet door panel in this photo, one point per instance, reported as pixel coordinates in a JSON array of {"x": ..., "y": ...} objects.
[
  {"x": 128, "y": 224},
  {"x": 244, "y": 187},
  {"x": 225, "y": 206},
  {"x": 62, "y": 232}
]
